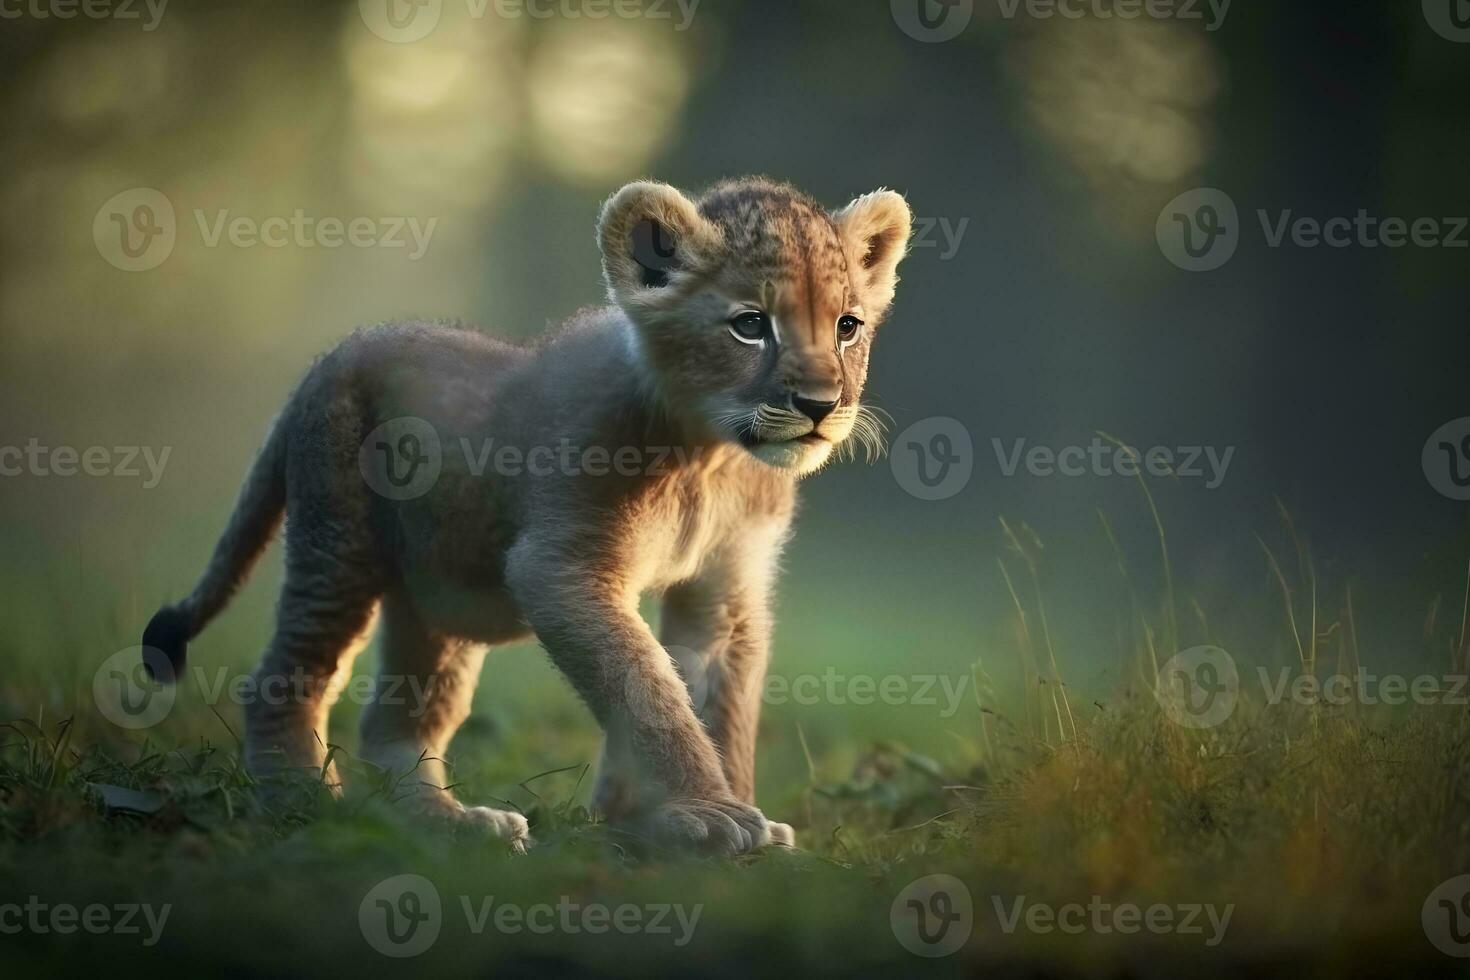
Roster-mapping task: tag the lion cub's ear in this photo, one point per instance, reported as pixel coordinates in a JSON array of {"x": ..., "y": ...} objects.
[
  {"x": 647, "y": 232},
  {"x": 876, "y": 228}
]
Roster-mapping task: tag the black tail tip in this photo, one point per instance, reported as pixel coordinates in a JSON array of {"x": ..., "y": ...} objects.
[{"x": 166, "y": 644}]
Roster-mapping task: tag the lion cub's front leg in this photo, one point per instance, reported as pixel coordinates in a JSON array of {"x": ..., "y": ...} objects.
[
  {"x": 589, "y": 624},
  {"x": 718, "y": 632}
]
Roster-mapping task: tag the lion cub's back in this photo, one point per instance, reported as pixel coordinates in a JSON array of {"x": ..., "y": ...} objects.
[{"x": 442, "y": 372}]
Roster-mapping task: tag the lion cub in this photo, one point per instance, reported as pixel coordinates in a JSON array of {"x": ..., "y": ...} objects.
[{"x": 477, "y": 492}]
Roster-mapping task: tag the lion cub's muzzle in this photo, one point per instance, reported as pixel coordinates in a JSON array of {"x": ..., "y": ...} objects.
[{"x": 773, "y": 423}]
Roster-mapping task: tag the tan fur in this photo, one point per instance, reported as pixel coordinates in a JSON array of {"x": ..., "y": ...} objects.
[{"x": 482, "y": 559}]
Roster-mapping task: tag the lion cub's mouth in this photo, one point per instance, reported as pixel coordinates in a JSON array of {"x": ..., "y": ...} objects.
[{"x": 751, "y": 441}]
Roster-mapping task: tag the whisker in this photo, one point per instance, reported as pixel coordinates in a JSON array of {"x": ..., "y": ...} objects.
[
  {"x": 740, "y": 423},
  {"x": 868, "y": 432}
]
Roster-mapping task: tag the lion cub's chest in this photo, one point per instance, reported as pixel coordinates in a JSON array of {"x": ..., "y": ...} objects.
[{"x": 675, "y": 530}]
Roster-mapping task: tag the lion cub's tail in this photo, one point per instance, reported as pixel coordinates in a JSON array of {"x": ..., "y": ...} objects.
[{"x": 257, "y": 515}]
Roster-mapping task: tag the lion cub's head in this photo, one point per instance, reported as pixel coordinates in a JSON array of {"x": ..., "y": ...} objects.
[{"x": 754, "y": 309}]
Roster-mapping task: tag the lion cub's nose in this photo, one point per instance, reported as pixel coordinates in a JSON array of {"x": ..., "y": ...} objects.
[{"x": 812, "y": 408}]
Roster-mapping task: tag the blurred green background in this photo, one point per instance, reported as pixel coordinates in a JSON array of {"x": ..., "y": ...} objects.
[{"x": 1037, "y": 305}]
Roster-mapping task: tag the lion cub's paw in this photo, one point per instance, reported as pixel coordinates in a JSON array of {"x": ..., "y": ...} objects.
[
  {"x": 725, "y": 827},
  {"x": 494, "y": 824},
  {"x": 782, "y": 835}
]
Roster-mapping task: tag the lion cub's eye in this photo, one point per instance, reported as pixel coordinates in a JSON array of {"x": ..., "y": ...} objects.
[
  {"x": 848, "y": 329},
  {"x": 751, "y": 327}
]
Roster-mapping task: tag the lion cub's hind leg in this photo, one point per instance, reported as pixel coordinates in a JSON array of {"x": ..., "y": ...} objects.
[
  {"x": 322, "y": 620},
  {"x": 426, "y": 683}
]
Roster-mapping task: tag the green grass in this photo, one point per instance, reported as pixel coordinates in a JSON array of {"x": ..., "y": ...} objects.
[
  {"x": 1326, "y": 830},
  {"x": 1322, "y": 828}
]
